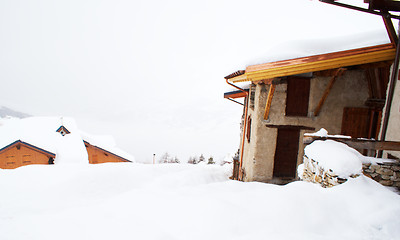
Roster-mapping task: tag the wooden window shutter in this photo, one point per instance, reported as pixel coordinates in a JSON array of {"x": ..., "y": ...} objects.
[
  {"x": 361, "y": 122},
  {"x": 297, "y": 98},
  {"x": 248, "y": 130},
  {"x": 355, "y": 122}
]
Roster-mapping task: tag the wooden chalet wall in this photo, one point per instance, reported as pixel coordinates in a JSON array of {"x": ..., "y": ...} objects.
[
  {"x": 20, "y": 154},
  {"x": 99, "y": 155}
]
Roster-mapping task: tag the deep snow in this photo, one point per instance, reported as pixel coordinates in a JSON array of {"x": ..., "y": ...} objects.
[{"x": 179, "y": 201}]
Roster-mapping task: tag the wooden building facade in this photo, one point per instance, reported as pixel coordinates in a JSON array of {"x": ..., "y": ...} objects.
[
  {"x": 20, "y": 153},
  {"x": 100, "y": 155}
]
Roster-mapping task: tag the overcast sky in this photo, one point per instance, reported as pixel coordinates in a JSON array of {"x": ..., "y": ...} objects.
[{"x": 151, "y": 73}]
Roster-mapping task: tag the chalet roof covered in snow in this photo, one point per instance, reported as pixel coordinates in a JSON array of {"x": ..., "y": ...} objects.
[{"x": 43, "y": 133}]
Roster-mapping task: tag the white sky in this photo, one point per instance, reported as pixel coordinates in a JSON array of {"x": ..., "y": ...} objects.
[{"x": 150, "y": 73}]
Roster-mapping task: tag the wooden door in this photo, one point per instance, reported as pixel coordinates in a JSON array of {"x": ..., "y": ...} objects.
[
  {"x": 287, "y": 147},
  {"x": 361, "y": 122}
]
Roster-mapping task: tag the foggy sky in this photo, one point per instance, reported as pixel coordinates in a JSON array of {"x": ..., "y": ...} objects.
[{"x": 150, "y": 73}]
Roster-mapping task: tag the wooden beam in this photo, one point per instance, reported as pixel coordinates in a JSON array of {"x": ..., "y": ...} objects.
[
  {"x": 390, "y": 29},
  {"x": 321, "y": 62},
  {"x": 235, "y": 94},
  {"x": 290, "y": 127},
  {"x": 269, "y": 101},
  {"x": 339, "y": 72},
  {"x": 359, "y": 143}
]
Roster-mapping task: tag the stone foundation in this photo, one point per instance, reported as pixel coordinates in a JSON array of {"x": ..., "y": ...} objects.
[{"x": 386, "y": 173}]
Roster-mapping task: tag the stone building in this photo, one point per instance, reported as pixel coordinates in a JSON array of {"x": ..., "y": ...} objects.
[{"x": 343, "y": 92}]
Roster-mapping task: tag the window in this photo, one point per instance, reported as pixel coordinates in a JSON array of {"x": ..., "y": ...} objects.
[{"x": 297, "y": 98}]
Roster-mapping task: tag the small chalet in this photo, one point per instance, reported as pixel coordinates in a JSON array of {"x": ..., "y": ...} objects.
[
  {"x": 99, "y": 155},
  {"x": 20, "y": 153},
  {"x": 41, "y": 140},
  {"x": 343, "y": 92}
]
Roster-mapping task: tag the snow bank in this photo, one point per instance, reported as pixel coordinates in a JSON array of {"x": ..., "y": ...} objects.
[
  {"x": 340, "y": 158},
  {"x": 173, "y": 201}
]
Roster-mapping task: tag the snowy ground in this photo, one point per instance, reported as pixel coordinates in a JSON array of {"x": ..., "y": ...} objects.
[{"x": 172, "y": 201}]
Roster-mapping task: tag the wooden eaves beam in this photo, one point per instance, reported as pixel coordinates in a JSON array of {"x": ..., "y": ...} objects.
[
  {"x": 338, "y": 73},
  {"x": 320, "y": 62},
  {"x": 269, "y": 101}
]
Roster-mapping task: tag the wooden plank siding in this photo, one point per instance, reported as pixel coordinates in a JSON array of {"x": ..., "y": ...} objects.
[
  {"x": 21, "y": 154},
  {"x": 361, "y": 122},
  {"x": 99, "y": 155}
]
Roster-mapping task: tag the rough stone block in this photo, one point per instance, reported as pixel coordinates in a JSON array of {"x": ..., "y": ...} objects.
[
  {"x": 386, "y": 177},
  {"x": 386, "y": 182},
  {"x": 395, "y": 168},
  {"x": 374, "y": 167},
  {"x": 368, "y": 170},
  {"x": 384, "y": 171},
  {"x": 377, "y": 178},
  {"x": 366, "y": 165}
]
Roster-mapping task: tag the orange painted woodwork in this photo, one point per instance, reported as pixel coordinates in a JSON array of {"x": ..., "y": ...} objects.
[
  {"x": 20, "y": 154},
  {"x": 99, "y": 155}
]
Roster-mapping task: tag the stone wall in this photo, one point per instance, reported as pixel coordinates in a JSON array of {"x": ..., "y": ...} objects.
[
  {"x": 312, "y": 172},
  {"x": 386, "y": 173}
]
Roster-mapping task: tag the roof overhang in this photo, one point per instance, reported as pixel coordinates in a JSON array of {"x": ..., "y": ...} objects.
[
  {"x": 30, "y": 146},
  {"x": 360, "y": 56},
  {"x": 235, "y": 94}
]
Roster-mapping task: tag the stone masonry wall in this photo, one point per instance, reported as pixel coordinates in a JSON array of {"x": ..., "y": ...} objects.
[
  {"x": 312, "y": 172},
  {"x": 386, "y": 173}
]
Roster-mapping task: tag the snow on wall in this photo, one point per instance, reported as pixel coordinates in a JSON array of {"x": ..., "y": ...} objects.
[{"x": 338, "y": 157}]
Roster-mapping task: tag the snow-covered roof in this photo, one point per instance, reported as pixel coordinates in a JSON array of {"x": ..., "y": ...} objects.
[
  {"x": 42, "y": 132},
  {"x": 107, "y": 143},
  {"x": 301, "y": 57}
]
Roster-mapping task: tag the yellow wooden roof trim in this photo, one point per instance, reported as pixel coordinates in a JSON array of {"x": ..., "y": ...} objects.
[{"x": 315, "y": 63}]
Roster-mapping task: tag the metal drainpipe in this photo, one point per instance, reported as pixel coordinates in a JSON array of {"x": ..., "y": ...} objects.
[
  {"x": 392, "y": 84},
  {"x": 240, "y": 177}
]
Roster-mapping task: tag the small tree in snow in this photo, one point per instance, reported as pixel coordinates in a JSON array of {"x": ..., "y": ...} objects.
[
  {"x": 176, "y": 160},
  {"x": 164, "y": 158},
  {"x": 193, "y": 160},
  {"x": 211, "y": 160},
  {"x": 201, "y": 158}
]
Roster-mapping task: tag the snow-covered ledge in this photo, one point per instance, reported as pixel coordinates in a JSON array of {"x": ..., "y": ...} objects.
[{"x": 330, "y": 163}]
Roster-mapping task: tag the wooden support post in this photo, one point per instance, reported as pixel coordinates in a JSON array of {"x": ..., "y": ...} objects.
[
  {"x": 269, "y": 100},
  {"x": 389, "y": 28},
  {"x": 339, "y": 72}
]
